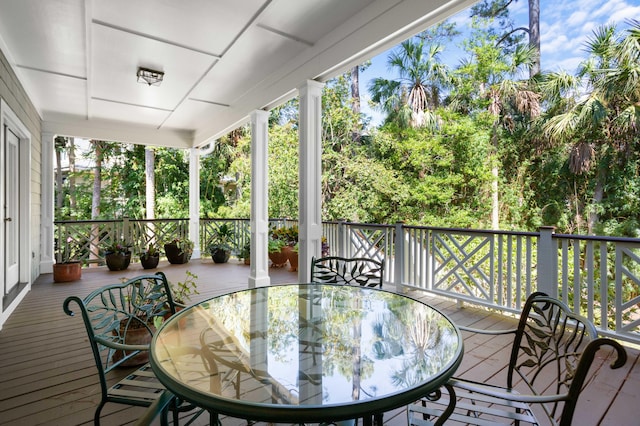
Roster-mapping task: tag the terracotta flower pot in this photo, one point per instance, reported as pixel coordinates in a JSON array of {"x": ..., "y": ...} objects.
[
  {"x": 293, "y": 260},
  {"x": 67, "y": 272},
  {"x": 279, "y": 259},
  {"x": 134, "y": 336}
]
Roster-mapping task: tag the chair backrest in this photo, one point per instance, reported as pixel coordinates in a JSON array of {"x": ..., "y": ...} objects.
[
  {"x": 350, "y": 271},
  {"x": 122, "y": 314},
  {"x": 552, "y": 352}
]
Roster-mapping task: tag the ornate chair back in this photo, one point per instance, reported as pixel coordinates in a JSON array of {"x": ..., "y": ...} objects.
[{"x": 349, "y": 271}]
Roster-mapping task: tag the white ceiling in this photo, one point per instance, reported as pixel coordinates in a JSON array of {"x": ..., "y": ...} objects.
[{"x": 222, "y": 59}]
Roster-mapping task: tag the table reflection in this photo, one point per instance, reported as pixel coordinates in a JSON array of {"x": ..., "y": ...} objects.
[{"x": 305, "y": 346}]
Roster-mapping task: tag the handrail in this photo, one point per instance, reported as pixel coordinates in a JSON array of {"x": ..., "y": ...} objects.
[{"x": 598, "y": 276}]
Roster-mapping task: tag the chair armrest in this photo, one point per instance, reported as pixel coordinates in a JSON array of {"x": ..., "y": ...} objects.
[
  {"x": 504, "y": 393},
  {"x": 490, "y": 332},
  {"x": 121, "y": 346},
  {"x": 157, "y": 407}
]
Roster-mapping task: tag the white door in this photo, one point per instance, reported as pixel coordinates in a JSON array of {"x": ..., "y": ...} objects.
[{"x": 11, "y": 209}]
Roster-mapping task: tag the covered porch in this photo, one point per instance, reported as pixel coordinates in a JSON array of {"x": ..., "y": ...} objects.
[
  {"x": 47, "y": 374},
  {"x": 174, "y": 74}
]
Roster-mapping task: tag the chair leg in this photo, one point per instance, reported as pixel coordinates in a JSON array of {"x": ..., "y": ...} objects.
[
  {"x": 96, "y": 416},
  {"x": 213, "y": 419}
]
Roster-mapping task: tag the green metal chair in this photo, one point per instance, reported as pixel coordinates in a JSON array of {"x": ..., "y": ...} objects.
[
  {"x": 120, "y": 320},
  {"x": 360, "y": 271},
  {"x": 551, "y": 354}
]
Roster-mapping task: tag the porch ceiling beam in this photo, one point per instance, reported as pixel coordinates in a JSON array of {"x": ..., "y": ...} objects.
[{"x": 65, "y": 125}]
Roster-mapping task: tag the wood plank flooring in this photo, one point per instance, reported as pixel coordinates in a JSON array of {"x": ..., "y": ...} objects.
[{"x": 47, "y": 373}]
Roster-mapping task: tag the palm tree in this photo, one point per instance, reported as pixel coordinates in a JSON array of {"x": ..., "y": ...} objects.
[
  {"x": 603, "y": 123},
  {"x": 410, "y": 99},
  {"x": 489, "y": 81}
]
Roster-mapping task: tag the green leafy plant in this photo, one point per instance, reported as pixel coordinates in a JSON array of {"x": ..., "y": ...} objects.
[
  {"x": 183, "y": 290},
  {"x": 70, "y": 253},
  {"x": 287, "y": 234},
  {"x": 184, "y": 245},
  {"x": 245, "y": 253},
  {"x": 222, "y": 239},
  {"x": 117, "y": 246},
  {"x": 151, "y": 251},
  {"x": 275, "y": 245}
]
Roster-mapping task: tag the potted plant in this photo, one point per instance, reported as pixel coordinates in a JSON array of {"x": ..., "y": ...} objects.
[
  {"x": 150, "y": 257},
  {"x": 183, "y": 290},
  {"x": 293, "y": 258},
  {"x": 289, "y": 238},
  {"x": 245, "y": 253},
  {"x": 220, "y": 247},
  {"x": 178, "y": 250},
  {"x": 276, "y": 255},
  {"x": 117, "y": 255},
  {"x": 67, "y": 268},
  {"x": 325, "y": 247}
]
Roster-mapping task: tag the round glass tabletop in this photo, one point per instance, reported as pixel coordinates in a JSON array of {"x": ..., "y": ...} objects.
[{"x": 306, "y": 352}]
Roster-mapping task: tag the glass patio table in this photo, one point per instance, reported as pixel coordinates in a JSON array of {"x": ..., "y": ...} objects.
[{"x": 306, "y": 353}]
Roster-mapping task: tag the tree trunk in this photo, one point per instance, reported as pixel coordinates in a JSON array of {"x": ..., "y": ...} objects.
[
  {"x": 95, "y": 200},
  {"x": 534, "y": 35},
  {"x": 598, "y": 194},
  {"x": 60, "y": 143},
  {"x": 495, "y": 201},
  {"x": 97, "y": 179},
  {"x": 355, "y": 101},
  {"x": 72, "y": 176},
  {"x": 150, "y": 186}
]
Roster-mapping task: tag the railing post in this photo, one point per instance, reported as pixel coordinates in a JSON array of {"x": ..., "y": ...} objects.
[
  {"x": 126, "y": 230},
  {"x": 398, "y": 259},
  {"x": 342, "y": 239},
  {"x": 547, "y": 262}
]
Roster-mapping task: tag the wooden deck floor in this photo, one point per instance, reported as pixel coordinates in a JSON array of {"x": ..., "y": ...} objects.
[{"x": 47, "y": 374}]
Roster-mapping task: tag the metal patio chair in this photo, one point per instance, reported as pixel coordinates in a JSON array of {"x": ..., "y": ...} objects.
[
  {"x": 551, "y": 353},
  {"x": 360, "y": 271},
  {"x": 120, "y": 320}
]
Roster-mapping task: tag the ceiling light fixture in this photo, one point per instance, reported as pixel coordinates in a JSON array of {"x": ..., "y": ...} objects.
[{"x": 149, "y": 76}]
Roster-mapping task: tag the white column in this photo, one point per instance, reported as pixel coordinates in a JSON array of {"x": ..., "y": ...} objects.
[
  {"x": 194, "y": 201},
  {"x": 259, "y": 275},
  {"x": 47, "y": 207},
  {"x": 310, "y": 174}
]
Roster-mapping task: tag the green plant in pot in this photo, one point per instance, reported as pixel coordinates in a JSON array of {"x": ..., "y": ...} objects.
[
  {"x": 179, "y": 250},
  {"x": 245, "y": 253},
  {"x": 150, "y": 257},
  {"x": 276, "y": 255},
  {"x": 183, "y": 290},
  {"x": 117, "y": 255},
  {"x": 67, "y": 267},
  {"x": 289, "y": 238},
  {"x": 221, "y": 246}
]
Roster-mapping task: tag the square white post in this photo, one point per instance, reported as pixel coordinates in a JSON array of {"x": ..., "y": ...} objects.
[
  {"x": 194, "y": 201},
  {"x": 47, "y": 208},
  {"x": 259, "y": 275},
  {"x": 310, "y": 174}
]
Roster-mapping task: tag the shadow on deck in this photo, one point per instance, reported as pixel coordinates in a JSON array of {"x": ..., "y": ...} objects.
[{"x": 47, "y": 373}]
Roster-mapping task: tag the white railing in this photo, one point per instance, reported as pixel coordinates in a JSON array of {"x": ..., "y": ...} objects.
[{"x": 599, "y": 277}]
